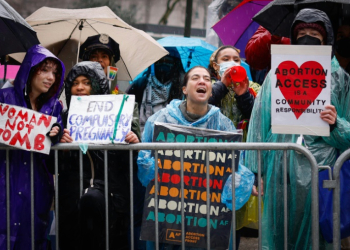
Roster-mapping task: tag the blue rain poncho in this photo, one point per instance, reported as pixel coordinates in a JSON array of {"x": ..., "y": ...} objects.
[
  {"x": 324, "y": 149},
  {"x": 214, "y": 119}
]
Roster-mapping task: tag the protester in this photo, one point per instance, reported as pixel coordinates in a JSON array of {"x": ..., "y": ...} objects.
[
  {"x": 235, "y": 99},
  {"x": 87, "y": 78},
  {"x": 194, "y": 111},
  {"x": 36, "y": 87},
  {"x": 102, "y": 49},
  {"x": 310, "y": 27},
  {"x": 160, "y": 84},
  {"x": 342, "y": 45}
]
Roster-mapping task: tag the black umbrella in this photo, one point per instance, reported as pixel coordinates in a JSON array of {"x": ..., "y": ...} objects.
[
  {"x": 16, "y": 35},
  {"x": 277, "y": 17}
]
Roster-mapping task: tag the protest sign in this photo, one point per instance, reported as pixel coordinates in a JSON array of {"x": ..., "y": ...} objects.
[
  {"x": 25, "y": 129},
  {"x": 300, "y": 89},
  {"x": 100, "y": 119},
  {"x": 195, "y": 194}
]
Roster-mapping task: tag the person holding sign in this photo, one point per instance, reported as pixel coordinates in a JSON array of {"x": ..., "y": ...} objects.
[
  {"x": 88, "y": 78},
  {"x": 36, "y": 87},
  {"x": 310, "y": 27},
  {"x": 193, "y": 112},
  {"x": 233, "y": 93}
]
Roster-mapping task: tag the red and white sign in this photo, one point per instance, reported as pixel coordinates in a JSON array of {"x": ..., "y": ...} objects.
[
  {"x": 25, "y": 129},
  {"x": 300, "y": 89}
]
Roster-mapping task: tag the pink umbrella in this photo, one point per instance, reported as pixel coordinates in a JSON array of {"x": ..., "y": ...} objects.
[{"x": 237, "y": 27}]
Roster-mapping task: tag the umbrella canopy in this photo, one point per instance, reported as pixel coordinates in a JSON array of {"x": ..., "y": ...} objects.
[
  {"x": 277, "y": 17},
  {"x": 16, "y": 35},
  {"x": 63, "y": 30},
  {"x": 193, "y": 51},
  {"x": 237, "y": 27}
]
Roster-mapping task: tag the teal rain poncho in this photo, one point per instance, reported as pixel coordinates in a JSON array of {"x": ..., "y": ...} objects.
[{"x": 325, "y": 150}]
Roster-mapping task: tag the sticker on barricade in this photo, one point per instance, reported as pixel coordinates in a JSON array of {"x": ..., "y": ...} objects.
[
  {"x": 100, "y": 119},
  {"x": 25, "y": 129}
]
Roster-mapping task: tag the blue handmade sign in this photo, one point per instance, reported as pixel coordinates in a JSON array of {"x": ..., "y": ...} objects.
[{"x": 100, "y": 119}]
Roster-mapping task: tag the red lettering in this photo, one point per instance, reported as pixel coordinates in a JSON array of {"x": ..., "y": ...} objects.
[
  {"x": 12, "y": 126},
  {"x": 33, "y": 120},
  {"x": 23, "y": 116},
  {"x": 6, "y": 135},
  {"x": 20, "y": 125},
  {"x": 165, "y": 177},
  {"x": 217, "y": 184},
  {"x": 11, "y": 113},
  {"x": 3, "y": 111},
  {"x": 175, "y": 178},
  {"x": 29, "y": 127},
  {"x": 186, "y": 180},
  {"x": 20, "y": 139},
  {"x": 45, "y": 119},
  {"x": 1, "y": 130},
  {"x": 38, "y": 142}
]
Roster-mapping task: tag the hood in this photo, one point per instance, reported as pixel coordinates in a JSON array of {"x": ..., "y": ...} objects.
[
  {"x": 34, "y": 56},
  {"x": 313, "y": 16},
  {"x": 92, "y": 70},
  {"x": 175, "y": 112}
]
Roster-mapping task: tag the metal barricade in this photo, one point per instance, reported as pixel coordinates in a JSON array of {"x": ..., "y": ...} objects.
[
  {"x": 178, "y": 146},
  {"x": 334, "y": 183}
]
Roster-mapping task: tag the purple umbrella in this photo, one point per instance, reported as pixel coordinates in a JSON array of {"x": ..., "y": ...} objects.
[{"x": 237, "y": 27}]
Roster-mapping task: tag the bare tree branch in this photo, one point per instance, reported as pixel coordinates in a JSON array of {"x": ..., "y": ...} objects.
[{"x": 169, "y": 9}]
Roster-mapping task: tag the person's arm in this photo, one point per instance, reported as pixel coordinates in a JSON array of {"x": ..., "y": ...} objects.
[
  {"x": 135, "y": 124},
  {"x": 145, "y": 160},
  {"x": 219, "y": 91},
  {"x": 245, "y": 104}
]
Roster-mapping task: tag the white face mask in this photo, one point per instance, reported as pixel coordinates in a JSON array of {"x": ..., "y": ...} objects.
[{"x": 226, "y": 65}]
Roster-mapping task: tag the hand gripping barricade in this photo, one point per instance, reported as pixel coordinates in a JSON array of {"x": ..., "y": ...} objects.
[{"x": 182, "y": 146}]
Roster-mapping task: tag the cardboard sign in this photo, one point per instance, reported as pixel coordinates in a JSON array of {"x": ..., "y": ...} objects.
[
  {"x": 100, "y": 119},
  {"x": 25, "y": 129},
  {"x": 195, "y": 194},
  {"x": 300, "y": 89}
]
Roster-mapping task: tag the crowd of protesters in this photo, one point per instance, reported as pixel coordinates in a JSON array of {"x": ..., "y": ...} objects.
[{"x": 219, "y": 97}]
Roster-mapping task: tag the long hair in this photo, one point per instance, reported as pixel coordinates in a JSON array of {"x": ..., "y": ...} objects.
[{"x": 44, "y": 97}]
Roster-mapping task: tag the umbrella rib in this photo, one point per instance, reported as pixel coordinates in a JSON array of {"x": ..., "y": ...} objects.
[
  {"x": 68, "y": 38},
  {"x": 40, "y": 24},
  {"x": 121, "y": 58},
  {"x": 114, "y": 25}
]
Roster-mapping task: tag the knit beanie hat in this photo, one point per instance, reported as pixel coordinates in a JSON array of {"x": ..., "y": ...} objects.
[{"x": 315, "y": 26}]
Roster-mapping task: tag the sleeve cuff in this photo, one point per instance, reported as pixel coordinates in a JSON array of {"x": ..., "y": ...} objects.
[{"x": 55, "y": 139}]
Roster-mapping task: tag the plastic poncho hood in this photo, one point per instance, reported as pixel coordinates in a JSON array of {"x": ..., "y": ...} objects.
[
  {"x": 314, "y": 16},
  {"x": 94, "y": 72},
  {"x": 34, "y": 56}
]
